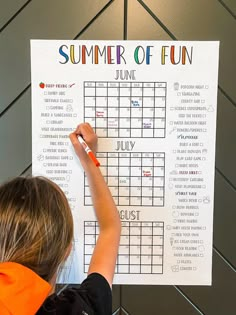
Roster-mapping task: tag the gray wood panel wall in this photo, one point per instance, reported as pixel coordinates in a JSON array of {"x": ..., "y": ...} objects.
[{"x": 22, "y": 20}]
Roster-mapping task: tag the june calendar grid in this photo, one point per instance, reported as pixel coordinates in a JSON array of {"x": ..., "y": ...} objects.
[
  {"x": 134, "y": 178},
  {"x": 126, "y": 109},
  {"x": 141, "y": 247}
]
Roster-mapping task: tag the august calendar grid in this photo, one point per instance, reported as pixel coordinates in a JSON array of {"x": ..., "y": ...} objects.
[{"x": 141, "y": 249}]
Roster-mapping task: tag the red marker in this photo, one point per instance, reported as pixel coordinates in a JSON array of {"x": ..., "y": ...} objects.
[{"x": 89, "y": 151}]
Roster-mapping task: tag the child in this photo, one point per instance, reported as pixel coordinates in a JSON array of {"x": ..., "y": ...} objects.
[{"x": 36, "y": 231}]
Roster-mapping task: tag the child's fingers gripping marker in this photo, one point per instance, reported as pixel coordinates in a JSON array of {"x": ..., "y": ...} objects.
[{"x": 74, "y": 142}]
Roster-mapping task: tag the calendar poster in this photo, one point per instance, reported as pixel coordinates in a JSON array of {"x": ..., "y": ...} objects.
[{"x": 153, "y": 106}]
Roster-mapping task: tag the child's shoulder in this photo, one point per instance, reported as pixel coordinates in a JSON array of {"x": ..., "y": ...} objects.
[{"x": 94, "y": 294}]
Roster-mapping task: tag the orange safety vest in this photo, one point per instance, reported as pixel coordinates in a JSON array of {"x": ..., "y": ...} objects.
[{"x": 22, "y": 291}]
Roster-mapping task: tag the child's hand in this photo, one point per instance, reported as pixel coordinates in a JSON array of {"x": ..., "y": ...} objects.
[{"x": 86, "y": 132}]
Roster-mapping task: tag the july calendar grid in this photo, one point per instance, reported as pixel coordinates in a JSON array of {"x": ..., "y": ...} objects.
[
  {"x": 141, "y": 249},
  {"x": 134, "y": 179},
  {"x": 126, "y": 109}
]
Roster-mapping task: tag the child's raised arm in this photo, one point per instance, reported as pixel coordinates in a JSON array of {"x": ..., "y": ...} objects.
[{"x": 105, "y": 253}]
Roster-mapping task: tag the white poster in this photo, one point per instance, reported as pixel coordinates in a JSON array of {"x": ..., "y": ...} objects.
[{"x": 153, "y": 106}]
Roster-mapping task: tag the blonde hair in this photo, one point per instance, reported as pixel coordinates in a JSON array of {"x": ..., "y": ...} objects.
[{"x": 36, "y": 226}]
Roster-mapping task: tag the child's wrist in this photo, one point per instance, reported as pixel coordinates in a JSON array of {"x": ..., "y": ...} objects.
[{"x": 88, "y": 165}]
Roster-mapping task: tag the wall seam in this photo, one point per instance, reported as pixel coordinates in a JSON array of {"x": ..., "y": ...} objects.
[
  {"x": 227, "y": 96},
  {"x": 226, "y": 179},
  {"x": 93, "y": 19},
  {"x": 14, "y": 15},
  {"x": 125, "y": 19},
  {"x": 16, "y": 99},
  {"x": 157, "y": 20},
  {"x": 225, "y": 259},
  {"x": 189, "y": 300},
  {"x": 26, "y": 169},
  {"x": 227, "y": 8}
]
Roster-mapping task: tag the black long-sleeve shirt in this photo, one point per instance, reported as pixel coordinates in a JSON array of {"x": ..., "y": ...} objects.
[{"x": 93, "y": 297}]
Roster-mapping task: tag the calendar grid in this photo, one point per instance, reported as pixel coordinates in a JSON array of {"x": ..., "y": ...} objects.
[
  {"x": 126, "y": 109},
  {"x": 129, "y": 175},
  {"x": 142, "y": 113},
  {"x": 134, "y": 179},
  {"x": 141, "y": 249}
]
